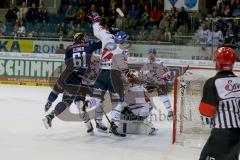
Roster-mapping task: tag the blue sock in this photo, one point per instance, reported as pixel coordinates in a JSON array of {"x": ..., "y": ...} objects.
[{"x": 52, "y": 96}]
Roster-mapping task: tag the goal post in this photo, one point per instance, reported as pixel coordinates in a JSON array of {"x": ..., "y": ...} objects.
[{"x": 187, "y": 125}]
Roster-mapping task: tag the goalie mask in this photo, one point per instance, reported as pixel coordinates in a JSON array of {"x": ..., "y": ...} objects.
[
  {"x": 136, "y": 77},
  {"x": 225, "y": 58}
]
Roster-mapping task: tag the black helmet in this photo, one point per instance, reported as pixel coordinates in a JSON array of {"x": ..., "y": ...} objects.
[{"x": 79, "y": 37}]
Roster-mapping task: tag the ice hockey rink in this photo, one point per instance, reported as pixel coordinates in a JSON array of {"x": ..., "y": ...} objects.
[{"x": 23, "y": 136}]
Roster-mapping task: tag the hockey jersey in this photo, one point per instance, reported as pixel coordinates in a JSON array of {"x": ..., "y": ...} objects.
[
  {"x": 223, "y": 92},
  {"x": 203, "y": 37},
  {"x": 112, "y": 55},
  {"x": 155, "y": 73}
]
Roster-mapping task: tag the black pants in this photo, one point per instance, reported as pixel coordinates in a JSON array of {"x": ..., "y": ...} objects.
[{"x": 223, "y": 144}]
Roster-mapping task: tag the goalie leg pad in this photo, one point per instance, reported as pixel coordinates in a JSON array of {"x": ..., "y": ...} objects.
[
  {"x": 136, "y": 127},
  {"x": 166, "y": 102}
]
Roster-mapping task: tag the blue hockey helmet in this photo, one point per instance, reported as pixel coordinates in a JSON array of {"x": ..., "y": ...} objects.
[
  {"x": 152, "y": 50},
  {"x": 120, "y": 37}
]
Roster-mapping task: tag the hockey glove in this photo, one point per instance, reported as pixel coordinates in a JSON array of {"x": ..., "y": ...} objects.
[{"x": 93, "y": 16}]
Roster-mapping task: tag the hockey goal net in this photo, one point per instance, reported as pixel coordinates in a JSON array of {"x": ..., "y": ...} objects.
[{"x": 188, "y": 128}]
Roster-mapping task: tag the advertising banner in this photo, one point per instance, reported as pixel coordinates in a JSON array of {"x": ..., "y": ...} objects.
[
  {"x": 172, "y": 51},
  {"x": 192, "y": 5},
  {"x": 28, "y": 71},
  {"x": 14, "y": 45}
]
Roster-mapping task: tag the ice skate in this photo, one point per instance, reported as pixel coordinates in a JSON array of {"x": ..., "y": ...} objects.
[{"x": 47, "y": 121}]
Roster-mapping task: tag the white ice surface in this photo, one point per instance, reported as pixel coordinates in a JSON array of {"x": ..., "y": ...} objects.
[{"x": 23, "y": 136}]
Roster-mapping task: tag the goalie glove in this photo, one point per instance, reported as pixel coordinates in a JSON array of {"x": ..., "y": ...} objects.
[
  {"x": 93, "y": 16},
  {"x": 47, "y": 106}
]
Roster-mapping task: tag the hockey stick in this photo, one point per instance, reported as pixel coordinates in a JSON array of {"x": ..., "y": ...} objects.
[
  {"x": 120, "y": 12},
  {"x": 185, "y": 70},
  {"x": 112, "y": 125}
]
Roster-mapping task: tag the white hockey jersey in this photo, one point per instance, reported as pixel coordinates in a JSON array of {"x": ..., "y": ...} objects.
[
  {"x": 137, "y": 100},
  {"x": 203, "y": 36},
  {"x": 155, "y": 73},
  {"x": 112, "y": 55},
  {"x": 217, "y": 38}
]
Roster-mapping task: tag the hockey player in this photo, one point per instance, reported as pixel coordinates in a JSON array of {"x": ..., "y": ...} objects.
[
  {"x": 137, "y": 108},
  {"x": 78, "y": 58},
  {"x": 220, "y": 108},
  {"x": 113, "y": 64},
  {"x": 157, "y": 76}
]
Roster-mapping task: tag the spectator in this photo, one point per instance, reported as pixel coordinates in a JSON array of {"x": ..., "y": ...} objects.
[
  {"x": 133, "y": 15},
  {"x": 33, "y": 34},
  {"x": 61, "y": 35},
  {"x": 143, "y": 34},
  {"x": 93, "y": 7},
  {"x": 155, "y": 16},
  {"x": 155, "y": 34},
  {"x": 70, "y": 14},
  {"x": 173, "y": 24},
  {"x": 229, "y": 38},
  {"x": 216, "y": 38},
  {"x": 237, "y": 38},
  {"x": 70, "y": 30},
  {"x": 121, "y": 23},
  {"x": 222, "y": 8},
  {"x": 82, "y": 3},
  {"x": 11, "y": 14},
  {"x": 60, "y": 49},
  {"x": 178, "y": 35},
  {"x": 145, "y": 16},
  {"x": 222, "y": 4},
  {"x": 81, "y": 16},
  {"x": 32, "y": 14},
  {"x": 36, "y": 49},
  {"x": 167, "y": 36},
  {"x": 165, "y": 23},
  {"x": 215, "y": 12},
  {"x": 227, "y": 12},
  {"x": 124, "y": 9},
  {"x": 21, "y": 30},
  {"x": 104, "y": 13},
  {"x": 182, "y": 18},
  {"x": 23, "y": 12},
  {"x": 236, "y": 11},
  {"x": 78, "y": 28},
  {"x": 112, "y": 15},
  {"x": 2, "y": 29},
  {"x": 173, "y": 12},
  {"x": 202, "y": 36},
  {"x": 43, "y": 13}
]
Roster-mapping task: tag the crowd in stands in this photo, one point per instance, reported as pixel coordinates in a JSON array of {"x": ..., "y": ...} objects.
[
  {"x": 143, "y": 20},
  {"x": 223, "y": 21}
]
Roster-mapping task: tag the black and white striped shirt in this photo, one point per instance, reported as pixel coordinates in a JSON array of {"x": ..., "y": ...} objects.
[{"x": 223, "y": 91}]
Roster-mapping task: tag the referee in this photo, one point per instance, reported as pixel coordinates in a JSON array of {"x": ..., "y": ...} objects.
[{"x": 220, "y": 107}]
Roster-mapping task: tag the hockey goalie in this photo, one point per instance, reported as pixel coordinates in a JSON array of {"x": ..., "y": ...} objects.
[{"x": 137, "y": 108}]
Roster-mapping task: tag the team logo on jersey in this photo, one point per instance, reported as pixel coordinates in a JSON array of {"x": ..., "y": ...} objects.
[
  {"x": 232, "y": 87},
  {"x": 228, "y": 87}
]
